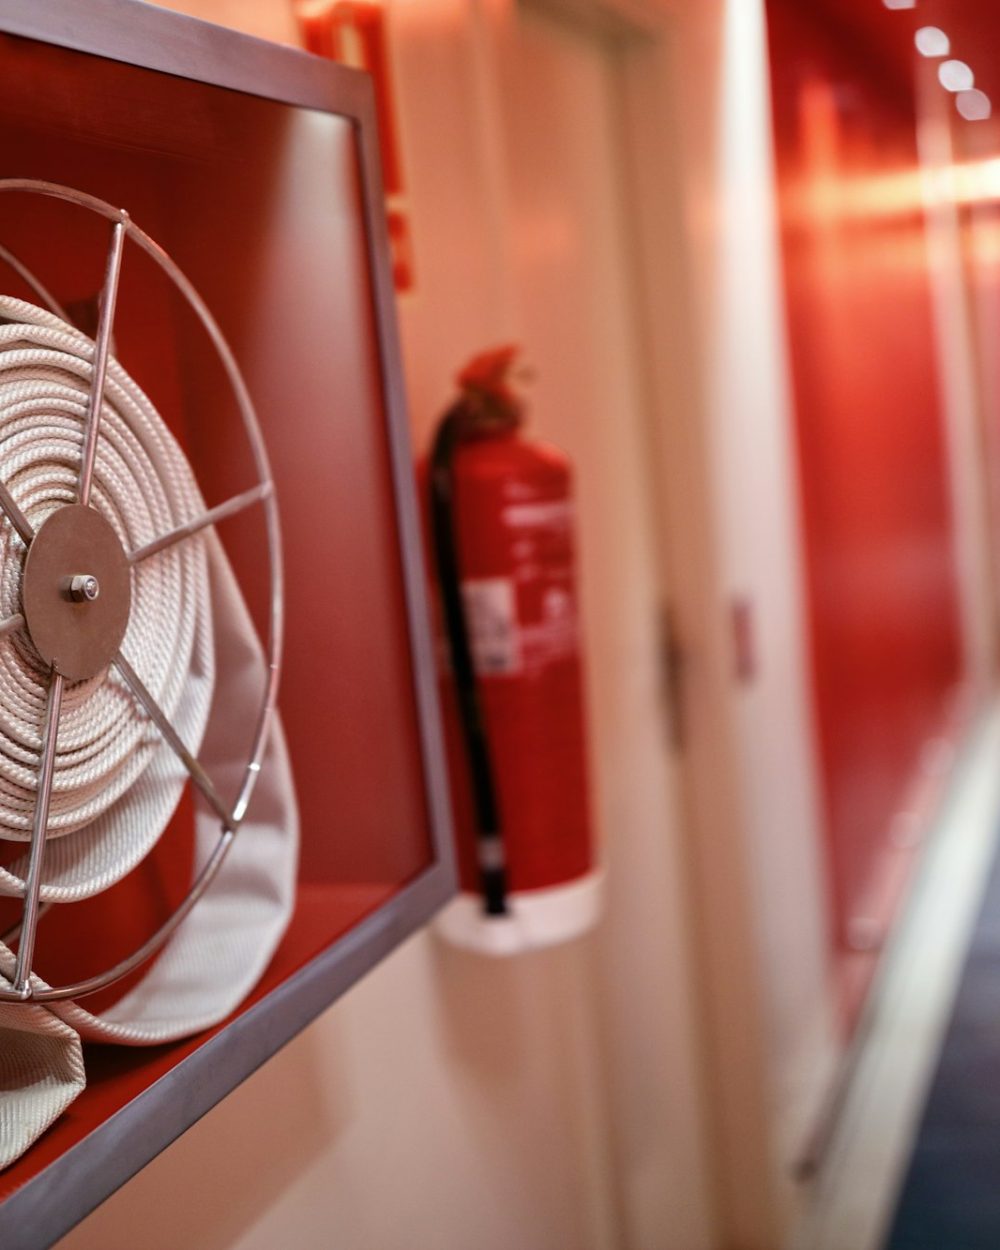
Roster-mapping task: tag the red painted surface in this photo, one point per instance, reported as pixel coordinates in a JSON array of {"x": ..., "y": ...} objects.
[
  {"x": 260, "y": 206},
  {"x": 880, "y": 563}
]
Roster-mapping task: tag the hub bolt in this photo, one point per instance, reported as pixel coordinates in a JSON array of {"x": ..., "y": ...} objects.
[{"x": 84, "y": 587}]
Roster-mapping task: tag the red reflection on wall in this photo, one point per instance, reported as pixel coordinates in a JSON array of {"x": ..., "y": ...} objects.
[{"x": 881, "y": 576}]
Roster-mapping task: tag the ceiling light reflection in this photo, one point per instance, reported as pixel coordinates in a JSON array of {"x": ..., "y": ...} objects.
[
  {"x": 878, "y": 196},
  {"x": 900, "y": 4},
  {"x": 974, "y": 106},
  {"x": 932, "y": 41},
  {"x": 956, "y": 76}
]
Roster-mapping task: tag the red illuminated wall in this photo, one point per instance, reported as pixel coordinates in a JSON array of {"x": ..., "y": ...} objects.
[{"x": 881, "y": 577}]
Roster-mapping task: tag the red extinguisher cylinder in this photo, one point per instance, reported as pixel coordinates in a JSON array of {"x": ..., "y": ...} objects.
[{"x": 514, "y": 538}]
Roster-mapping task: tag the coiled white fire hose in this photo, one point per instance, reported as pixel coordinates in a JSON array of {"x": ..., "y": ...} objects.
[{"x": 116, "y": 782}]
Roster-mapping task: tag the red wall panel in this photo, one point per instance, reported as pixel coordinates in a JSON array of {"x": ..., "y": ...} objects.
[{"x": 880, "y": 560}]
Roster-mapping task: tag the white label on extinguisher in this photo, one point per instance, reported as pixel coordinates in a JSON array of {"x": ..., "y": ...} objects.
[
  {"x": 491, "y": 611},
  {"x": 548, "y": 512}
]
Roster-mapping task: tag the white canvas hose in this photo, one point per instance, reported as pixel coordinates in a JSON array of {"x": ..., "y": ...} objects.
[{"x": 116, "y": 783}]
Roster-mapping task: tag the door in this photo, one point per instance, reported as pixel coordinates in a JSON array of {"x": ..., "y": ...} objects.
[{"x": 570, "y": 224}]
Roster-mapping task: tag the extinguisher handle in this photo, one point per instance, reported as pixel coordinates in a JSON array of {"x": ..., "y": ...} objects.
[{"x": 491, "y": 857}]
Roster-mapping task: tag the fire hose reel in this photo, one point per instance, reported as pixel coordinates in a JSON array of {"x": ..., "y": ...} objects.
[{"x": 130, "y": 671}]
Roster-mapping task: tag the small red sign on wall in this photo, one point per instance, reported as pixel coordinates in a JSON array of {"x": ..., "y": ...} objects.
[{"x": 355, "y": 33}]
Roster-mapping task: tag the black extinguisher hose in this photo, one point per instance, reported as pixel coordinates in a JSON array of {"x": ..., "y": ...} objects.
[{"x": 489, "y": 834}]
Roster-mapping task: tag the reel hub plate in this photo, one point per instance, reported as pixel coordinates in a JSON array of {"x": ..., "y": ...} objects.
[{"x": 76, "y": 592}]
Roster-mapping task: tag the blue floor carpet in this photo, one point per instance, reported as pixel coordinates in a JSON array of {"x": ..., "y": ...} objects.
[{"x": 950, "y": 1198}]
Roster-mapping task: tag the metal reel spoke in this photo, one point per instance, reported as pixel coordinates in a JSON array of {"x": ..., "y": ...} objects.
[
  {"x": 219, "y": 513},
  {"x": 39, "y": 828},
  {"x": 102, "y": 348},
  {"x": 10, "y": 507},
  {"x": 159, "y": 718},
  {"x": 10, "y": 624}
]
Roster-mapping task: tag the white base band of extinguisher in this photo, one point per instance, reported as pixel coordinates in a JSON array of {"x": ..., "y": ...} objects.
[{"x": 536, "y": 918}]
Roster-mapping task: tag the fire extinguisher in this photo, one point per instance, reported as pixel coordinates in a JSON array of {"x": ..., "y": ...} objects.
[{"x": 500, "y": 519}]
